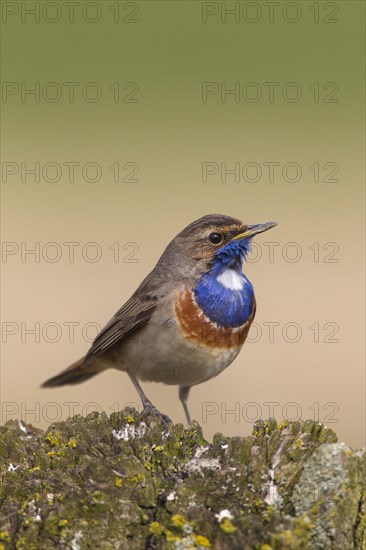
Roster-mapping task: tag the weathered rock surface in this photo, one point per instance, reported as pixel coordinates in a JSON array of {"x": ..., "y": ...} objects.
[{"x": 131, "y": 482}]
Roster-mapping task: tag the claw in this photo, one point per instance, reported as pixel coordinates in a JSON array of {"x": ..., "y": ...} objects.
[{"x": 153, "y": 411}]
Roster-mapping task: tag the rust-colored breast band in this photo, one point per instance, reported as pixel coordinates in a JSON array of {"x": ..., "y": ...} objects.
[{"x": 197, "y": 326}]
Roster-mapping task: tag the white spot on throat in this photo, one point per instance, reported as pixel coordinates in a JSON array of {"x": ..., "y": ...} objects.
[{"x": 231, "y": 279}]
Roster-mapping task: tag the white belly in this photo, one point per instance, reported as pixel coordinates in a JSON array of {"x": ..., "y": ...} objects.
[{"x": 165, "y": 355}]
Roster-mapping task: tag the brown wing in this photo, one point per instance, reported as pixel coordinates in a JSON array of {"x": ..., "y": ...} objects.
[{"x": 134, "y": 314}]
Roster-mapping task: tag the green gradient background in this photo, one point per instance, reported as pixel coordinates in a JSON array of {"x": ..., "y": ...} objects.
[{"x": 169, "y": 133}]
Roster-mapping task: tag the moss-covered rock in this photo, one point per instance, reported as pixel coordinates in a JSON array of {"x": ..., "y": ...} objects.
[{"x": 133, "y": 482}]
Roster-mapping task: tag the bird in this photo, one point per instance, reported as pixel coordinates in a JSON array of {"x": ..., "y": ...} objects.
[{"x": 188, "y": 319}]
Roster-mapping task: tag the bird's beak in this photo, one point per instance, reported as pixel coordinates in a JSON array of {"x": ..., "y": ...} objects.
[{"x": 252, "y": 230}]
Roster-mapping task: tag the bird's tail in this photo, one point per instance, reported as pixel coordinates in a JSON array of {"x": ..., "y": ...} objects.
[{"x": 76, "y": 373}]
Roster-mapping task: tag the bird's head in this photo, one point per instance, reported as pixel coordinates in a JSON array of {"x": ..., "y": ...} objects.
[{"x": 219, "y": 239}]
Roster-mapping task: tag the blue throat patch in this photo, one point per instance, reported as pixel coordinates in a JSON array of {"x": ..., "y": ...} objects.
[{"x": 226, "y": 307}]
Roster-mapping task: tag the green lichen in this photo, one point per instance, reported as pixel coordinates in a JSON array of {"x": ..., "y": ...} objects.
[{"x": 288, "y": 486}]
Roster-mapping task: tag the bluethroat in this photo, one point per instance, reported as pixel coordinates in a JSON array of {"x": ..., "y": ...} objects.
[{"x": 188, "y": 319}]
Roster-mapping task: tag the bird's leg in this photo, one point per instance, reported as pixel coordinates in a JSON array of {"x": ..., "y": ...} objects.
[
  {"x": 183, "y": 396},
  {"x": 146, "y": 403}
]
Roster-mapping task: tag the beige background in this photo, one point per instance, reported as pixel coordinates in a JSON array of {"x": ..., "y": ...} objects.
[{"x": 169, "y": 132}]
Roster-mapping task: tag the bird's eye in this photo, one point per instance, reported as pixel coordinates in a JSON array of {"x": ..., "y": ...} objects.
[{"x": 215, "y": 238}]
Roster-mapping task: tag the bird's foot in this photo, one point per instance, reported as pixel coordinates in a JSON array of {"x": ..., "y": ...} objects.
[{"x": 153, "y": 411}]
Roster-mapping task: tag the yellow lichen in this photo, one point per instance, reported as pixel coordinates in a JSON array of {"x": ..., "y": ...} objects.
[
  {"x": 203, "y": 541},
  {"x": 97, "y": 497},
  {"x": 227, "y": 527},
  {"x": 72, "y": 442},
  {"x": 63, "y": 522},
  {"x": 170, "y": 537},
  {"x": 179, "y": 521},
  {"x": 130, "y": 418},
  {"x": 156, "y": 529},
  {"x": 137, "y": 478},
  {"x": 4, "y": 535},
  {"x": 258, "y": 503},
  {"x": 284, "y": 537},
  {"x": 159, "y": 448},
  {"x": 53, "y": 438},
  {"x": 35, "y": 469},
  {"x": 147, "y": 465},
  {"x": 302, "y": 526},
  {"x": 118, "y": 482}
]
